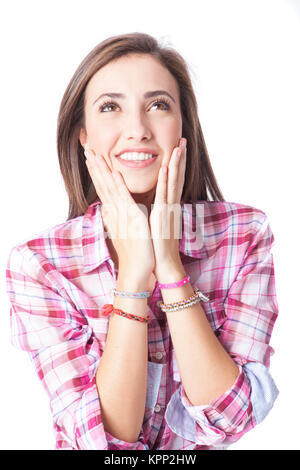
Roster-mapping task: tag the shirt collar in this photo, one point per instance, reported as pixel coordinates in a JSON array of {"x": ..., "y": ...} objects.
[{"x": 191, "y": 245}]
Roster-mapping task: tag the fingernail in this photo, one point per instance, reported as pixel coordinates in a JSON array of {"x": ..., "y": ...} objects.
[{"x": 182, "y": 143}]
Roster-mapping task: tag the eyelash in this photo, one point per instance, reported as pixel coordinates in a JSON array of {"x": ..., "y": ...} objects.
[{"x": 160, "y": 100}]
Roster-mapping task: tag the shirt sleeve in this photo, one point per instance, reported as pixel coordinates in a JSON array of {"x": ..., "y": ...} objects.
[
  {"x": 63, "y": 350},
  {"x": 251, "y": 310}
]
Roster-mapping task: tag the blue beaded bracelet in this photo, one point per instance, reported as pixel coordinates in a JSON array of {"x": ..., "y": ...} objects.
[{"x": 134, "y": 295}]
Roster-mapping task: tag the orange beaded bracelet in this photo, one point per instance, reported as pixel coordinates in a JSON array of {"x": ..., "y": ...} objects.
[{"x": 109, "y": 308}]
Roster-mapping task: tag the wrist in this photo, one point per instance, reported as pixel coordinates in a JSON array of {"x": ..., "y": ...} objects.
[
  {"x": 170, "y": 273},
  {"x": 131, "y": 281}
]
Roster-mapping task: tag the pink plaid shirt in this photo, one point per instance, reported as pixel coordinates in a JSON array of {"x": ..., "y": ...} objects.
[{"x": 58, "y": 282}]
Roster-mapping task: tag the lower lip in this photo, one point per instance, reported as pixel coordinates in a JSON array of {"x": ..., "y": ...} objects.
[{"x": 141, "y": 164}]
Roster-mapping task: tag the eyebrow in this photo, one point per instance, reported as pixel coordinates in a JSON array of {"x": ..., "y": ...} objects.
[{"x": 148, "y": 94}]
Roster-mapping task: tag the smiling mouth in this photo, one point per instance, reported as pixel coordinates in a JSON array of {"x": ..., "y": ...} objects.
[
  {"x": 136, "y": 155},
  {"x": 143, "y": 163}
]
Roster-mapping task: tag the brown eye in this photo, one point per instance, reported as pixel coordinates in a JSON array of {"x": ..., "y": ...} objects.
[
  {"x": 106, "y": 105},
  {"x": 162, "y": 102}
]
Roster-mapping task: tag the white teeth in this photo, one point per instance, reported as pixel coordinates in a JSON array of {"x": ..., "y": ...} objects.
[{"x": 135, "y": 156}]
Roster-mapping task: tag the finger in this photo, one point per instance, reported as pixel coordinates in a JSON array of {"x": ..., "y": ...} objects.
[
  {"x": 107, "y": 191},
  {"x": 124, "y": 193},
  {"x": 173, "y": 175},
  {"x": 102, "y": 177},
  {"x": 112, "y": 186},
  {"x": 181, "y": 172},
  {"x": 115, "y": 180},
  {"x": 91, "y": 165},
  {"x": 161, "y": 193}
]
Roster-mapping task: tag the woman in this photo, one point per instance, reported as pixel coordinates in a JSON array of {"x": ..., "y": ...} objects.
[{"x": 144, "y": 340}]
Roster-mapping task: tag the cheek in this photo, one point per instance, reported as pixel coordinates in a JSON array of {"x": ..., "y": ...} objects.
[
  {"x": 169, "y": 138},
  {"x": 102, "y": 138},
  {"x": 102, "y": 141},
  {"x": 100, "y": 131},
  {"x": 176, "y": 129},
  {"x": 170, "y": 132}
]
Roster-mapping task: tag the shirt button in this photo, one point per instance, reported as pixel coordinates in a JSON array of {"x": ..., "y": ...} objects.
[
  {"x": 158, "y": 303},
  {"x": 159, "y": 355},
  {"x": 157, "y": 409}
]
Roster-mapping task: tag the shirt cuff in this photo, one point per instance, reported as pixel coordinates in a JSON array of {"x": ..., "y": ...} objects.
[
  {"x": 263, "y": 389},
  {"x": 114, "y": 443},
  {"x": 219, "y": 423}
]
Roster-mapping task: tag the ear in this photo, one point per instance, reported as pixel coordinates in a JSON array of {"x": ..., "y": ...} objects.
[{"x": 83, "y": 138}]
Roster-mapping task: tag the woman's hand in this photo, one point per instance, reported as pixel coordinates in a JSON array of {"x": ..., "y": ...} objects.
[
  {"x": 126, "y": 223},
  {"x": 165, "y": 217}
]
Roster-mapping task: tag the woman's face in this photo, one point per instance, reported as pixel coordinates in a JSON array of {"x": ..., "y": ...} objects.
[{"x": 134, "y": 120}]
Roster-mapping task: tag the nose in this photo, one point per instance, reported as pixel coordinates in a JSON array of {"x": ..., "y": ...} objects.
[{"x": 136, "y": 127}]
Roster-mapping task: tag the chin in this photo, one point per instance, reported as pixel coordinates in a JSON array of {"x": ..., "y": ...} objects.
[
  {"x": 139, "y": 187},
  {"x": 141, "y": 190}
]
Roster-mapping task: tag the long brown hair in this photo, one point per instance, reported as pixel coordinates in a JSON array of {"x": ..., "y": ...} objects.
[{"x": 199, "y": 175}]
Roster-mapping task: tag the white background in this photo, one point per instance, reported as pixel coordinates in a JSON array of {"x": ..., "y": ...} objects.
[{"x": 244, "y": 60}]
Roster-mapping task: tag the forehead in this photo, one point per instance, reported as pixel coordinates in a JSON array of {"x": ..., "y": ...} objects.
[{"x": 132, "y": 74}]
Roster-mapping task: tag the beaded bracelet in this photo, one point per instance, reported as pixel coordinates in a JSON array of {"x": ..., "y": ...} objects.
[
  {"x": 136, "y": 295},
  {"x": 175, "y": 306},
  {"x": 109, "y": 308}
]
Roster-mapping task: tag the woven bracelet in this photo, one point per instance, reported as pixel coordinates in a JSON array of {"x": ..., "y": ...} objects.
[{"x": 109, "y": 308}]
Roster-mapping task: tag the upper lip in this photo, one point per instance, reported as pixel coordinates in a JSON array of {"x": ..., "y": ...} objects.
[{"x": 144, "y": 150}]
